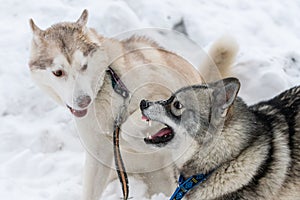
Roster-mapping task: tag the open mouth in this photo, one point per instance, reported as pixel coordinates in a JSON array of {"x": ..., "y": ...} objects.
[
  {"x": 77, "y": 113},
  {"x": 162, "y": 137}
]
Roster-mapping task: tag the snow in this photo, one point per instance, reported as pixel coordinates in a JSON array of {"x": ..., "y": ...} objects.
[{"x": 40, "y": 154}]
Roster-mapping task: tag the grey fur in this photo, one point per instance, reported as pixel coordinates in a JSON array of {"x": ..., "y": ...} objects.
[{"x": 254, "y": 150}]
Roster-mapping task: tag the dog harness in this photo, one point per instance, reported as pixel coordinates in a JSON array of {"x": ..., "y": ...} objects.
[
  {"x": 185, "y": 185},
  {"x": 120, "y": 89},
  {"x": 118, "y": 86}
]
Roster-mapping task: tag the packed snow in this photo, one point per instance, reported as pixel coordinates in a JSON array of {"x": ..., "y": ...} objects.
[{"x": 41, "y": 157}]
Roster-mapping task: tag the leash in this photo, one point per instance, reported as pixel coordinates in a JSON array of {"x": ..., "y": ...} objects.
[
  {"x": 120, "y": 89},
  {"x": 184, "y": 186}
]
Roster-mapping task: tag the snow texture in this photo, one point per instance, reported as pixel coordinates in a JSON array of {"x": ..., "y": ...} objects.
[{"x": 41, "y": 157}]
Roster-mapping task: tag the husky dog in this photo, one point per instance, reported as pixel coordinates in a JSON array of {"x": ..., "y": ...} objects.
[
  {"x": 70, "y": 62},
  {"x": 244, "y": 152}
]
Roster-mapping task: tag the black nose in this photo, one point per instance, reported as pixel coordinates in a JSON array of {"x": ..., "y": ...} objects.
[
  {"x": 84, "y": 101},
  {"x": 144, "y": 104}
]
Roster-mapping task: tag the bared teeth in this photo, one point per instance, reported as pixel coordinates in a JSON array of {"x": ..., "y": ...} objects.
[{"x": 149, "y": 122}]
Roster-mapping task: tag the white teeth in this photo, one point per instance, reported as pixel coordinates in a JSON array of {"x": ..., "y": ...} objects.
[
  {"x": 149, "y": 123},
  {"x": 149, "y": 136}
]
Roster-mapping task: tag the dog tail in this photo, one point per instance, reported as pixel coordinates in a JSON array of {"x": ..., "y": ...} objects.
[{"x": 221, "y": 56}]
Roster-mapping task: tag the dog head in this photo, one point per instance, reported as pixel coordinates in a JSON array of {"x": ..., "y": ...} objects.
[
  {"x": 197, "y": 112},
  {"x": 67, "y": 62}
]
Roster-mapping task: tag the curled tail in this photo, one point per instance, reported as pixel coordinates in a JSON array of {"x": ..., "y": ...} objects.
[{"x": 221, "y": 56}]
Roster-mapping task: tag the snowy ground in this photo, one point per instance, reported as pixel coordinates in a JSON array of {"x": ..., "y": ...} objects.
[{"x": 41, "y": 157}]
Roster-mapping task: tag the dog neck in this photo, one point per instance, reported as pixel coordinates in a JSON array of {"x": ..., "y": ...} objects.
[
  {"x": 189, "y": 183},
  {"x": 115, "y": 55},
  {"x": 225, "y": 144}
]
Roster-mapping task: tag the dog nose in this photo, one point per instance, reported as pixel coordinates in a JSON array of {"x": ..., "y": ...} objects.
[
  {"x": 83, "y": 101},
  {"x": 144, "y": 104}
]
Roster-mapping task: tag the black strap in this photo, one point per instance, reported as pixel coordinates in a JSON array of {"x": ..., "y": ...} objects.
[
  {"x": 118, "y": 86},
  {"x": 120, "y": 89}
]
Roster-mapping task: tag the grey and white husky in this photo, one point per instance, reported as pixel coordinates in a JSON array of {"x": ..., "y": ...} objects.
[{"x": 243, "y": 152}]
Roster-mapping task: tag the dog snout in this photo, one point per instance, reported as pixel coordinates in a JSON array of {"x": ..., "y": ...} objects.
[
  {"x": 84, "y": 101},
  {"x": 144, "y": 104}
]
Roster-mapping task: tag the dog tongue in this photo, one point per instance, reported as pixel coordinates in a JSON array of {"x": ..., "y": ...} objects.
[
  {"x": 164, "y": 135},
  {"x": 78, "y": 113},
  {"x": 145, "y": 118}
]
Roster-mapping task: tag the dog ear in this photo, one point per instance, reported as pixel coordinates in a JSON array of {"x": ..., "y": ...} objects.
[
  {"x": 223, "y": 95},
  {"x": 37, "y": 32},
  {"x": 83, "y": 18},
  {"x": 35, "y": 29}
]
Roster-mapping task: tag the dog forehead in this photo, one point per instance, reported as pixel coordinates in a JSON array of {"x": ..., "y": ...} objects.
[
  {"x": 61, "y": 30},
  {"x": 70, "y": 37},
  {"x": 192, "y": 94}
]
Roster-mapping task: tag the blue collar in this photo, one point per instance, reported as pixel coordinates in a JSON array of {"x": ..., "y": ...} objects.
[{"x": 184, "y": 186}]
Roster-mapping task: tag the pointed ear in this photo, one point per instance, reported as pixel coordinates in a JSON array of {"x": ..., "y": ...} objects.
[
  {"x": 224, "y": 93},
  {"x": 83, "y": 18},
  {"x": 35, "y": 29}
]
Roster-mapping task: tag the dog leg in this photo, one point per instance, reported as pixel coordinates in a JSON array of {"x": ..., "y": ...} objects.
[{"x": 96, "y": 177}]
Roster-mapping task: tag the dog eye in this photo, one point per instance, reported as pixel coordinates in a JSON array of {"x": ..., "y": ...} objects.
[
  {"x": 58, "y": 73},
  {"x": 84, "y": 67},
  {"x": 177, "y": 105}
]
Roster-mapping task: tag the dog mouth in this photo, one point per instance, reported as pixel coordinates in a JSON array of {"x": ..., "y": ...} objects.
[
  {"x": 77, "y": 113},
  {"x": 162, "y": 137}
]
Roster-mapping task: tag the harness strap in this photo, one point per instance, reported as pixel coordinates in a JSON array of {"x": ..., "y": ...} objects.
[
  {"x": 120, "y": 89},
  {"x": 184, "y": 186},
  {"x": 118, "y": 86}
]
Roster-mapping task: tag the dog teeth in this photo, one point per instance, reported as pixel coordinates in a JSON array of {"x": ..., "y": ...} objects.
[
  {"x": 148, "y": 136},
  {"x": 149, "y": 123}
]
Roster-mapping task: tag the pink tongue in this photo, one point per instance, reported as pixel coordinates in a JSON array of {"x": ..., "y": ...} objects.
[
  {"x": 79, "y": 113},
  {"x": 162, "y": 132},
  {"x": 144, "y": 118}
]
